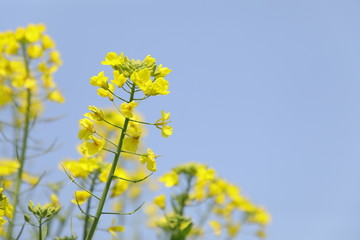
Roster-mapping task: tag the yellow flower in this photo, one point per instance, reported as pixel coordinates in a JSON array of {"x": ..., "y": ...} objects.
[
  {"x": 114, "y": 229},
  {"x": 12, "y": 48},
  {"x": 33, "y": 32},
  {"x": 96, "y": 113},
  {"x": 160, "y": 201},
  {"x": 55, "y": 201},
  {"x": 87, "y": 128},
  {"x": 261, "y": 233},
  {"x": 162, "y": 71},
  {"x": 216, "y": 226},
  {"x": 118, "y": 188},
  {"x": 30, "y": 179},
  {"x": 127, "y": 109},
  {"x": 205, "y": 174},
  {"x": 19, "y": 33},
  {"x": 100, "y": 80},
  {"x": 34, "y": 51},
  {"x": 141, "y": 78},
  {"x": 130, "y": 144},
  {"x": 2, "y": 220},
  {"x": 259, "y": 216},
  {"x": 6, "y": 209},
  {"x": 135, "y": 191},
  {"x": 200, "y": 192},
  {"x": 83, "y": 167},
  {"x": 160, "y": 86},
  {"x": 54, "y": 57},
  {"x": 5, "y": 94},
  {"x": 233, "y": 229},
  {"x": 170, "y": 179},
  {"x": 23, "y": 81},
  {"x": 56, "y": 96},
  {"x": 107, "y": 92},
  {"x": 149, "y": 159},
  {"x": 92, "y": 146},
  {"x": 8, "y": 167},
  {"x": 166, "y": 130},
  {"x": 113, "y": 59},
  {"x": 80, "y": 197},
  {"x": 119, "y": 79},
  {"x": 47, "y": 42},
  {"x": 148, "y": 60}
]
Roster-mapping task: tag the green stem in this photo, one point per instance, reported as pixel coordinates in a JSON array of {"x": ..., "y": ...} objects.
[
  {"x": 40, "y": 230},
  {"x": 142, "y": 122},
  {"x": 182, "y": 205},
  {"x": 86, "y": 223},
  {"x": 111, "y": 124},
  {"x": 100, "y": 207},
  {"x": 23, "y": 152},
  {"x": 185, "y": 195}
]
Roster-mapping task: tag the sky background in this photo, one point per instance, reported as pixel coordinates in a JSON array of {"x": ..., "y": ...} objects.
[{"x": 264, "y": 91}]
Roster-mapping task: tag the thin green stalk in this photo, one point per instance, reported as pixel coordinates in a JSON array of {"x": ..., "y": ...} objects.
[
  {"x": 40, "y": 230},
  {"x": 23, "y": 152},
  {"x": 100, "y": 207},
  {"x": 182, "y": 205},
  {"x": 64, "y": 220},
  {"x": 86, "y": 223},
  {"x": 185, "y": 195}
]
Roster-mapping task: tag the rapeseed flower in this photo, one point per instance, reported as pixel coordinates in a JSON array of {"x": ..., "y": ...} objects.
[
  {"x": 92, "y": 146},
  {"x": 128, "y": 108},
  {"x": 149, "y": 160},
  {"x": 80, "y": 197}
]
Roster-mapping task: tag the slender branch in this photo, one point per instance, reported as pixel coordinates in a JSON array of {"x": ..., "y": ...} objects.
[
  {"x": 105, "y": 149},
  {"x": 106, "y": 139},
  {"x": 77, "y": 203},
  {"x": 23, "y": 149},
  {"x": 86, "y": 223},
  {"x": 134, "y": 181},
  {"x": 117, "y": 96},
  {"x": 21, "y": 231},
  {"x": 142, "y": 122},
  {"x": 125, "y": 90},
  {"x": 111, "y": 124},
  {"x": 141, "y": 99},
  {"x": 73, "y": 180},
  {"x": 128, "y": 213},
  {"x": 137, "y": 154},
  {"x": 118, "y": 109},
  {"x": 52, "y": 147}
]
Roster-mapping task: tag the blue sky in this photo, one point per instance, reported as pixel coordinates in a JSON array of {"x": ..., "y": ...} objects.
[{"x": 266, "y": 92}]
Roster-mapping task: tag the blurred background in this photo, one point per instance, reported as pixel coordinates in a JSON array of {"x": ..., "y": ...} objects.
[{"x": 264, "y": 91}]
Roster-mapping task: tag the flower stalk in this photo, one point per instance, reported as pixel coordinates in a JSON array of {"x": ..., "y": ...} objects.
[
  {"x": 22, "y": 157},
  {"x": 100, "y": 207}
]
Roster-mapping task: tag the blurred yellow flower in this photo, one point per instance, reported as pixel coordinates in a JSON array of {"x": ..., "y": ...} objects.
[{"x": 80, "y": 197}]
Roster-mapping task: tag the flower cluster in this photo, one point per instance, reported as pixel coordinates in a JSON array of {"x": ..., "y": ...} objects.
[
  {"x": 113, "y": 162},
  {"x": 132, "y": 76},
  {"x": 6, "y": 209},
  {"x": 223, "y": 204},
  {"x": 118, "y": 132},
  {"x": 28, "y": 60}
]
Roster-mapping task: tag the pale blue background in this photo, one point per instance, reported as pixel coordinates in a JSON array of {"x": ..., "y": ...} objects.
[{"x": 265, "y": 91}]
